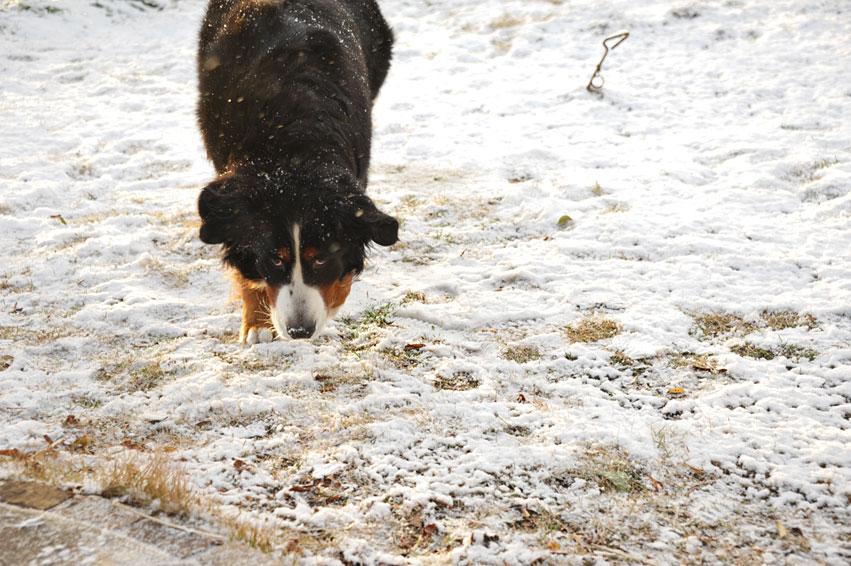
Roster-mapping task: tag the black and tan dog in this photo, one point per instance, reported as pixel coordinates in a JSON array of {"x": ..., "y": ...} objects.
[{"x": 286, "y": 92}]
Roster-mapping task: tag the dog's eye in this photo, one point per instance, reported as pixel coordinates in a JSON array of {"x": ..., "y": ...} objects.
[
  {"x": 319, "y": 263},
  {"x": 277, "y": 262}
]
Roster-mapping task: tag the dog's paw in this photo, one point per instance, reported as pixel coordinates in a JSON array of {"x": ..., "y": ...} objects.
[{"x": 255, "y": 335}]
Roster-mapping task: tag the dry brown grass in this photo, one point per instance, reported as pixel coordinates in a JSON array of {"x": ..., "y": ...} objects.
[
  {"x": 615, "y": 207},
  {"x": 458, "y": 381},
  {"x": 262, "y": 536},
  {"x": 152, "y": 480},
  {"x": 709, "y": 325},
  {"x": 611, "y": 469},
  {"x": 697, "y": 362},
  {"x": 592, "y": 329},
  {"x": 174, "y": 277},
  {"x": 144, "y": 479},
  {"x": 715, "y": 323},
  {"x": 506, "y": 21},
  {"x": 781, "y": 320},
  {"x": 40, "y": 336},
  {"x": 521, "y": 354}
]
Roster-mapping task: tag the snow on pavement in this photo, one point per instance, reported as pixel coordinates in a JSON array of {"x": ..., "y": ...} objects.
[{"x": 708, "y": 188}]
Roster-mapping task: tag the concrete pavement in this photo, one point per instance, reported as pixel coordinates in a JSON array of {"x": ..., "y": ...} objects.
[{"x": 44, "y": 526}]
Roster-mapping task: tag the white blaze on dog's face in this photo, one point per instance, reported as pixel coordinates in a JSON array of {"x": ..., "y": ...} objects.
[{"x": 297, "y": 308}]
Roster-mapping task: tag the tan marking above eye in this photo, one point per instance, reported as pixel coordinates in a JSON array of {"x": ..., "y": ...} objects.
[
  {"x": 309, "y": 253},
  {"x": 285, "y": 254}
]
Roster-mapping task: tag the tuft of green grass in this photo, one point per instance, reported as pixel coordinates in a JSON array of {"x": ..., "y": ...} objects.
[
  {"x": 795, "y": 352},
  {"x": 621, "y": 359},
  {"x": 367, "y": 325},
  {"x": 27, "y": 7},
  {"x": 748, "y": 350},
  {"x": 593, "y": 329},
  {"x": 790, "y": 351},
  {"x": 378, "y": 316}
]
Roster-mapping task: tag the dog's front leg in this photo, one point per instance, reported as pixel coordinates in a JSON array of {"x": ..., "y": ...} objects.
[{"x": 256, "y": 324}]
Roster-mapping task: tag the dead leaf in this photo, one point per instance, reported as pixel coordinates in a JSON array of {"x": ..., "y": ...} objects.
[
  {"x": 782, "y": 531},
  {"x": 618, "y": 480},
  {"x": 657, "y": 485},
  {"x": 71, "y": 420},
  {"x": 133, "y": 445},
  {"x": 292, "y": 546},
  {"x": 553, "y": 545},
  {"x": 676, "y": 391},
  {"x": 796, "y": 532},
  {"x": 303, "y": 487},
  {"x": 697, "y": 471},
  {"x": 415, "y": 346},
  {"x": 12, "y": 453},
  {"x": 430, "y": 529},
  {"x": 240, "y": 465}
]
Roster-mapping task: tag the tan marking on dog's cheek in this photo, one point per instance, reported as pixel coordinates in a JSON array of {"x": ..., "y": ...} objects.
[
  {"x": 337, "y": 292},
  {"x": 272, "y": 295}
]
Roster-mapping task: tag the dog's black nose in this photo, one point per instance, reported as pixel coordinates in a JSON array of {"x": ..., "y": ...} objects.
[{"x": 303, "y": 331}]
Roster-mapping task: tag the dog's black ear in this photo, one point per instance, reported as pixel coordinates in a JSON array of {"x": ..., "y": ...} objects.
[
  {"x": 381, "y": 228},
  {"x": 216, "y": 208}
]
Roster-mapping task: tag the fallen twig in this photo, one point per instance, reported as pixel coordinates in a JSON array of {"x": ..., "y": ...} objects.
[
  {"x": 169, "y": 523},
  {"x": 596, "y": 83}
]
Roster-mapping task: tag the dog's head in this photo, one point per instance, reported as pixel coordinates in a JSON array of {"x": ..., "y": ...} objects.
[{"x": 305, "y": 238}]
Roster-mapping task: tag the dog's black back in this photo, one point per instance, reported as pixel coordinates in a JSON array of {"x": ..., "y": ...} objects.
[{"x": 290, "y": 80}]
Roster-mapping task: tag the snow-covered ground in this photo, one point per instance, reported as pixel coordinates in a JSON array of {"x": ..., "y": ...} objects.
[{"x": 709, "y": 188}]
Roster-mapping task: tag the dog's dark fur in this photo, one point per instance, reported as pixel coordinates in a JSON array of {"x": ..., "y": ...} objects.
[{"x": 286, "y": 91}]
